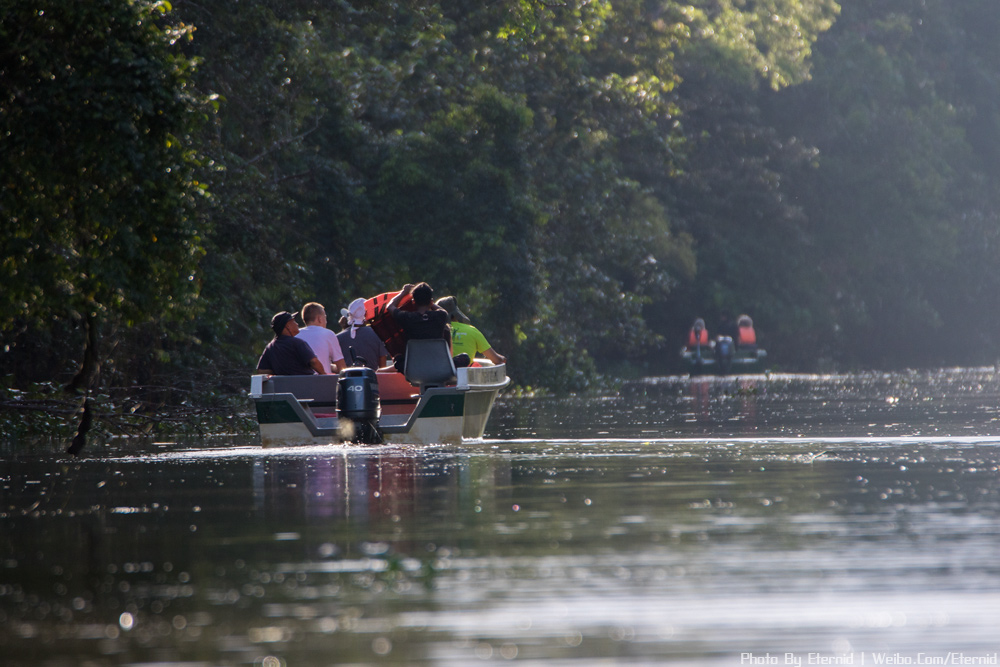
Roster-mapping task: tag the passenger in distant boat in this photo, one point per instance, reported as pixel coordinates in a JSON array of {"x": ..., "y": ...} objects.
[
  {"x": 698, "y": 335},
  {"x": 426, "y": 321},
  {"x": 364, "y": 342},
  {"x": 465, "y": 338},
  {"x": 286, "y": 354},
  {"x": 323, "y": 341},
  {"x": 746, "y": 337}
]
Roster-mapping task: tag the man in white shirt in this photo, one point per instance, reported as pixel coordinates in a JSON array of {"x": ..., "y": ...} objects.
[{"x": 323, "y": 341}]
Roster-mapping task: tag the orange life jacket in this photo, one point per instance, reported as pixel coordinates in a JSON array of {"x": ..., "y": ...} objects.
[
  {"x": 747, "y": 336},
  {"x": 700, "y": 338}
]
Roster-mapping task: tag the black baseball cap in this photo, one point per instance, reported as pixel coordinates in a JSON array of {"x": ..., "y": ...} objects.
[{"x": 279, "y": 321}]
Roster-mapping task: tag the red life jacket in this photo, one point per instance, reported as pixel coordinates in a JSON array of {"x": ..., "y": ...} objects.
[
  {"x": 700, "y": 338},
  {"x": 383, "y": 324},
  {"x": 747, "y": 336}
]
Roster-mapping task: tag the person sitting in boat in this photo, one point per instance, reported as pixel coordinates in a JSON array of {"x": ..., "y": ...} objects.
[
  {"x": 698, "y": 335},
  {"x": 323, "y": 341},
  {"x": 358, "y": 342},
  {"x": 427, "y": 319},
  {"x": 465, "y": 338},
  {"x": 286, "y": 354},
  {"x": 746, "y": 337}
]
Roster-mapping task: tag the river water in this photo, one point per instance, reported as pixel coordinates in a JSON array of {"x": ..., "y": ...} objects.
[{"x": 789, "y": 520}]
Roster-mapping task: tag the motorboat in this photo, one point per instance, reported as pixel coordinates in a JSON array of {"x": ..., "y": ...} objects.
[
  {"x": 430, "y": 402},
  {"x": 723, "y": 357}
]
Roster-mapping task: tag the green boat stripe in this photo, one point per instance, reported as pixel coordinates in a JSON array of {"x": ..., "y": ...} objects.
[
  {"x": 444, "y": 405},
  {"x": 276, "y": 412}
]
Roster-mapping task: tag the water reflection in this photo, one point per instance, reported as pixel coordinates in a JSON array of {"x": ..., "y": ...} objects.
[
  {"x": 736, "y": 396},
  {"x": 677, "y": 522},
  {"x": 367, "y": 488}
]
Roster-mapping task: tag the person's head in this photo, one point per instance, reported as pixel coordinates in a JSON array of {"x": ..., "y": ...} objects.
[
  {"x": 354, "y": 314},
  {"x": 744, "y": 321},
  {"x": 450, "y": 304},
  {"x": 284, "y": 324},
  {"x": 314, "y": 314},
  {"x": 699, "y": 325},
  {"x": 423, "y": 295}
]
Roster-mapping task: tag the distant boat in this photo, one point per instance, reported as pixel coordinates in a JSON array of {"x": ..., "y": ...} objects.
[{"x": 722, "y": 357}]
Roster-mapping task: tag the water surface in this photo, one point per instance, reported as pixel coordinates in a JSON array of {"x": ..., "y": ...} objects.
[{"x": 849, "y": 519}]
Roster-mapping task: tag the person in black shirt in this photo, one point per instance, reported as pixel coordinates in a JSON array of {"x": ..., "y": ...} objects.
[
  {"x": 286, "y": 354},
  {"x": 426, "y": 320}
]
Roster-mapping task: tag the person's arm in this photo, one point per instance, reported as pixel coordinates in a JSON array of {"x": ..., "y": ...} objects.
[
  {"x": 383, "y": 353},
  {"x": 316, "y": 366},
  {"x": 494, "y": 356},
  {"x": 394, "y": 303},
  {"x": 337, "y": 362}
]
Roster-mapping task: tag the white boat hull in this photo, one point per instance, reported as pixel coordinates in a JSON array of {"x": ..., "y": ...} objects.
[{"x": 441, "y": 415}]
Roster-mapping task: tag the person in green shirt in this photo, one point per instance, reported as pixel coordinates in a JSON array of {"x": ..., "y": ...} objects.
[{"x": 466, "y": 338}]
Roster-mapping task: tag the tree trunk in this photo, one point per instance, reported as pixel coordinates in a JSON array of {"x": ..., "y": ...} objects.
[
  {"x": 81, "y": 384},
  {"x": 84, "y": 378},
  {"x": 80, "y": 439}
]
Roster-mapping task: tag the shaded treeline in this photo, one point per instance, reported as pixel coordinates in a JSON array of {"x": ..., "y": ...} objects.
[{"x": 586, "y": 178}]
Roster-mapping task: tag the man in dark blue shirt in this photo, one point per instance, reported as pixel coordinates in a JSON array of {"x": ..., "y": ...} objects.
[{"x": 286, "y": 354}]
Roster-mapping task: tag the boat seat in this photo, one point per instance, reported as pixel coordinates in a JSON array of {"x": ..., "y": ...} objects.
[
  {"x": 428, "y": 363},
  {"x": 316, "y": 391}
]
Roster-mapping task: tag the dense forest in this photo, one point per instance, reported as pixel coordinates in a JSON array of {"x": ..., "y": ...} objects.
[{"x": 585, "y": 176}]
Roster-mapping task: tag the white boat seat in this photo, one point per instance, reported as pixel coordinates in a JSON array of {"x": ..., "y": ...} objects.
[{"x": 428, "y": 363}]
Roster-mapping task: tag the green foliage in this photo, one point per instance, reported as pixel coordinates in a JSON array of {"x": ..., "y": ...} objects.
[
  {"x": 99, "y": 169},
  {"x": 452, "y": 203},
  {"x": 585, "y": 176},
  {"x": 903, "y": 180},
  {"x": 428, "y": 143},
  {"x": 771, "y": 39},
  {"x": 600, "y": 82}
]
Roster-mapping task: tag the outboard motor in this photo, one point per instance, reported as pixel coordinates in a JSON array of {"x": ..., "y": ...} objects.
[
  {"x": 724, "y": 352},
  {"x": 358, "y": 404}
]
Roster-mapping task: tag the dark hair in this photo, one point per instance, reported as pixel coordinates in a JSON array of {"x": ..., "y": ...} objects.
[{"x": 423, "y": 294}]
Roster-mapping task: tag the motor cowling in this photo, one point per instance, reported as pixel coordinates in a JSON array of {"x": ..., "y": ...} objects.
[
  {"x": 358, "y": 407},
  {"x": 357, "y": 395}
]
